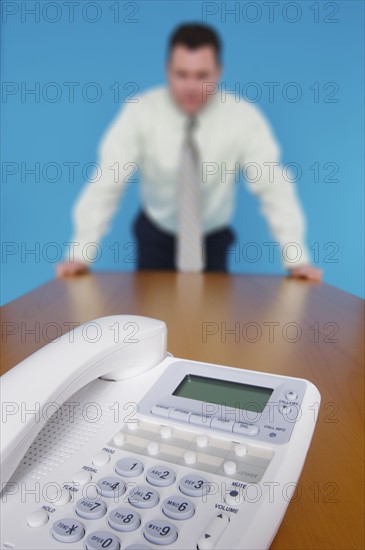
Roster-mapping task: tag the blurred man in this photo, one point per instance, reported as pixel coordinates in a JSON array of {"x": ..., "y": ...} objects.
[{"x": 187, "y": 141}]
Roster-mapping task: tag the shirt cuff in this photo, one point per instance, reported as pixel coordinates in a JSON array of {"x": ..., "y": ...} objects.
[
  {"x": 294, "y": 254},
  {"x": 79, "y": 250}
]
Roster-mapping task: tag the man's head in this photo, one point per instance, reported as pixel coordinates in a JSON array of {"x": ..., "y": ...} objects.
[{"x": 193, "y": 61}]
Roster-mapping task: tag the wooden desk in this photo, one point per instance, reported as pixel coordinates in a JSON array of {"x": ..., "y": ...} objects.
[{"x": 199, "y": 310}]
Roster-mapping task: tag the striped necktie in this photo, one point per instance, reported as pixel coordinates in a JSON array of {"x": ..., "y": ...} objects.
[{"x": 189, "y": 249}]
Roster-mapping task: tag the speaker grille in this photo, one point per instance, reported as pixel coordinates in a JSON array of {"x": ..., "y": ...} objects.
[{"x": 67, "y": 430}]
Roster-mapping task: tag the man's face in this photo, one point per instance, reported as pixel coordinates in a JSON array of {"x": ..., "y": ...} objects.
[{"x": 189, "y": 72}]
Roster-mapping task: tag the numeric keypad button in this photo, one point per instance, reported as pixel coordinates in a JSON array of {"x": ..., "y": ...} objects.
[
  {"x": 159, "y": 531},
  {"x": 68, "y": 530},
  {"x": 143, "y": 497},
  {"x": 129, "y": 467},
  {"x": 124, "y": 519},
  {"x": 194, "y": 485},
  {"x": 90, "y": 509},
  {"x": 161, "y": 476},
  {"x": 99, "y": 540},
  {"x": 110, "y": 487},
  {"x": 178, "y": 507}
]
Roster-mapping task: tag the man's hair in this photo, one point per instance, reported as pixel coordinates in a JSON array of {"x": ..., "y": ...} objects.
[{"x": 195, "y": 35}]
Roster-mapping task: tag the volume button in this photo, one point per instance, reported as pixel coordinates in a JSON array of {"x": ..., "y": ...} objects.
[{"x": 213, "y": 532}]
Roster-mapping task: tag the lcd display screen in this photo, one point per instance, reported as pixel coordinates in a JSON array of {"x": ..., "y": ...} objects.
[{"x": 224, "y": 392}]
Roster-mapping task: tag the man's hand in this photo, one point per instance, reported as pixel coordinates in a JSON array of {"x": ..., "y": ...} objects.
[
  {"x": 71, "y": 269},
  {"x": 306, "y": 272}
]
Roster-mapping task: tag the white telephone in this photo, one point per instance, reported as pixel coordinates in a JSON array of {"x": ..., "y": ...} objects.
[{"x": 110, "y": 442}]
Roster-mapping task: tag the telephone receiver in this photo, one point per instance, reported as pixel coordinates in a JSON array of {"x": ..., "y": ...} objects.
[{"x": 116, "y": 347}]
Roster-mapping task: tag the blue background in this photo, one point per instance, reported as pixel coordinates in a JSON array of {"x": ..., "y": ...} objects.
[{"x": 316, "y": 48}]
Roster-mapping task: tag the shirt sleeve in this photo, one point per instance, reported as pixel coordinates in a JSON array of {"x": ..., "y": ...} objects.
[
  {"x": 118, "y": 154},
  {"x": 274, "y": 186}
]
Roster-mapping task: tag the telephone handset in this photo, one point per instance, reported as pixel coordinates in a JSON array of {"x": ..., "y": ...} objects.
[
  {"x": 115, "y": 347},
  {"x": 181, "y": 453}
]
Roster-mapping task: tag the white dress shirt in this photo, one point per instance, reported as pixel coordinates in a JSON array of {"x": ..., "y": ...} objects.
[{"x": 146, "y": 138}]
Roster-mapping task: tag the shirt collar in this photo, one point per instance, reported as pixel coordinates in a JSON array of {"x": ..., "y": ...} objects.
[{"x": 207, "y": 107}]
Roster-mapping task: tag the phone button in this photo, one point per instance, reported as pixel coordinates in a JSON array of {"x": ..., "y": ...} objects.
[
  {"x": 291, "y": 395},
  {"x": 98, "y": 540},
  {"x": 285, "y": 409},
  {"x": 153, "y": 448},
  {"x": 129, "y": 467},
  {"x": 200, "y": 420},
  {"x": 160, "y": 410},
  {"x": 242, "y": 428},
  {"x": 234, "y": 498},
  {"x": 194, "y": 485},
  {"x": 110, "y": 486},
  {"x": 124, "y": 519},
  {"x": 178, "y": 507},
  {"x": 90, "y": 509},
  {"x": 213, "y": 532},
  {"x": 119, "y": 439},
  {"x": 58, "y": 497},
  {"x": 180, "y": 414},
  {"x": 240, "y": 449},
  {"x": 143, "y": 497},
  {"x": 166, "y": 432},
  {"x": 82, "y": 477},
  {"x": 68, "y": 530},
  {"x": 222, "y": 424},
  {"x": 161, "y": 476},
  {"x": 229, "y": 467},
  {"x": 37, "y": 518},
  {"x": 101, "y": 459},
  {"x": 159, "y": 531},
  {"x": 202, "y": 441},
  {"x": 189, "y": 457}
]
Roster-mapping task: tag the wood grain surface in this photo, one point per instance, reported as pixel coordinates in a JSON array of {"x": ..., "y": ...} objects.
[{"x": 263, "y": 323}]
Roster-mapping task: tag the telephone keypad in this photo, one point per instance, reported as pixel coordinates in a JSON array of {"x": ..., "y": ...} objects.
[
  {"x": 68, "y": 530},
  {"x": 194, "y": 485},
  {"x": 110, "y": 487},
  {"x": 98, "y": 540},
  {"x": 129, "y": 467},
  {"x": 160, "y": 531},
  {"x": 124, "y": 505},
  {"x": 90, "y": 509},
  {"x": 143, "y": 497},
  {"x": 161, "y": 476},
  {"x": 124, "y": 519},
  {"x": 178, "y": 507}
]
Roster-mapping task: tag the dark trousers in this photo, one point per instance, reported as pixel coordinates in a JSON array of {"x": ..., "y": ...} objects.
[{"x": 156, "y": 248}]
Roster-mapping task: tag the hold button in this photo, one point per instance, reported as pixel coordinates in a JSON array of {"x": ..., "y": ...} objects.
[{"x": 213, "y": 532}]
